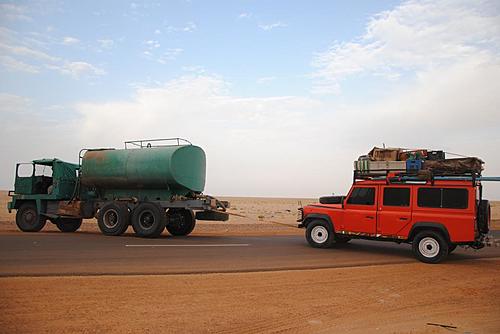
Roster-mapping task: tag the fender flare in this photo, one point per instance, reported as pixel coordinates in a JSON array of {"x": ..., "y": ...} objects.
[
  {"x": 419, "y": 226},
  {"x": 318, "y": 216}
]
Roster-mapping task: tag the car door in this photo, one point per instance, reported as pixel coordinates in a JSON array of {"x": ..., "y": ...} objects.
[
  {"x": 360, "y": 214},
  {"x": 394, "y": 212}
]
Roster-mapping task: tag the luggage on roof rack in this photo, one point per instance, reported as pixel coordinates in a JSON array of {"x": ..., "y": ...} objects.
[{"x": 456, "y": 166}]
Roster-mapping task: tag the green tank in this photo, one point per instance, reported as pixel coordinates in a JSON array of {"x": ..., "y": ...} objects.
[{"x": 148, "y": 173}]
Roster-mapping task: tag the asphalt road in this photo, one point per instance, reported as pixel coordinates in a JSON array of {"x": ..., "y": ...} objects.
[{"x": 85, "y": 253}]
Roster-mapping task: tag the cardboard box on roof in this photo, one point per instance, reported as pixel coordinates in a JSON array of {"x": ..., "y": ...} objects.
[{"x": 384, "y": 154}]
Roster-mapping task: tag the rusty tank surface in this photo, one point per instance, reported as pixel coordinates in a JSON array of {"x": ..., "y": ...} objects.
[{"x": 148, "y": 172}]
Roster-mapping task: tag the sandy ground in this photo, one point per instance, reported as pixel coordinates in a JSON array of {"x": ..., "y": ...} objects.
[
  {"x": 379, "y": 299},
  {"x": 399, "y": 298}
]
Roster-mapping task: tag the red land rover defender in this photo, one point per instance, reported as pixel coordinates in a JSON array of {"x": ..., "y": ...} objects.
[{"x": 435, "y": 215}]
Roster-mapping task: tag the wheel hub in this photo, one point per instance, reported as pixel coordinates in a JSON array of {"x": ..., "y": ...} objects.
[
  {"x": 29, "y": 217},
  {"x": 111, "y": 218},
  {"x": 146, "y": 219},
  {"x": 319, "y": 234},
  {"x": 429, "y": 247}
]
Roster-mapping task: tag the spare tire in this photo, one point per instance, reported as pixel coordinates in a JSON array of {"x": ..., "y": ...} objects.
[
  {"x": 483, "y": 216},
  {"x": 331, "y": 199}
]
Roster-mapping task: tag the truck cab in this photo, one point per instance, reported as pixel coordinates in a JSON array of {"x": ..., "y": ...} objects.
[
  {"x": 40, "y": 188},
  {"x": 434, "y": 215}
]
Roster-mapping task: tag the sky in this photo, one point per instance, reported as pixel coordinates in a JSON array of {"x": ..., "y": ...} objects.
[{"x": 283, "y": 96}]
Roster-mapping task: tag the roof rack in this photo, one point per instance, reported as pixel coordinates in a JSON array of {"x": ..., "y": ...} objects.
[
  {"x": 147, "y": 143},
  {"x": 412, "y": 177}
]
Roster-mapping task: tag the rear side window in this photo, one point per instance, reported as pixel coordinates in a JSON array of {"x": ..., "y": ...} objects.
[
  {"x": 446, "y": 198},
  {"x": 396, "y": 197},
  {"x": 362, "y": 196},
  {"x": 455, "y": 198}
]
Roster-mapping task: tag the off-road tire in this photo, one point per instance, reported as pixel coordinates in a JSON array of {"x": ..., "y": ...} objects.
[
  {"x": 68, "y": 225},
  {"x": 180, "y": 222},
  {"x": 430, "y": 247},
  {"x": 28, "y": 219},
  {"x": 319, "y": 234},
  {"x": 483, "y": 216},
  {"x": 148, "y": 220},
  {"x": 113, "y": 218}
]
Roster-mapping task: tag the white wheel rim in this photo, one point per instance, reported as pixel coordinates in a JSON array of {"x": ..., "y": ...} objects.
[
  {"x": 319, "y": 234},
  {"x": 428, "y": 247}
]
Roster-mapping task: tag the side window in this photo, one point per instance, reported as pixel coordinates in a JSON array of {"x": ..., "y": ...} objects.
[
  {"x": 446, "y": 198},
  {"x": 454, "y": 198},
  {"x": 396, "y": 197},
  {"x": 429, "y": 197},
  {"x": 362, "y": 196},
  {"x": 42, "y": 170},
  {"x": 25, "y": 170}
]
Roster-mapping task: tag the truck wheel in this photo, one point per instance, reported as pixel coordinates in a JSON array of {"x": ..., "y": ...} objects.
[
  {"x": 113, "y": 219},
  {"x": 430, "y": 247},
  {"x": 28, "y": 219},
  {"x": 148, "y": 220},
  {"x": 180, "y": 222},
  {"x": 318, "y": 234},
  {"x": 68, "y": 224}
]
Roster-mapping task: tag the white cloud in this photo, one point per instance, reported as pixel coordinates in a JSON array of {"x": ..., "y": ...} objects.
[
  {"x": 25, "y": 51},
  {"x": 169, "y": 55},
  {"x": 77, "y": 69},
  {"x": 106, "y": 43},
  {"x": 12, "y": 11},
  {"x": 16, "y": 65},
  {"x": 245, "y": 15},
  {"x": 11, "y": 103},
  {"x": 272, "y": 26},
  {"x": 265, "y": 80},
  {"x": 68, "y": 40},
  {"x": 188, "y": 27},
  {"x": 152, "y": 44},
  {"x": 415, "y": 36}
]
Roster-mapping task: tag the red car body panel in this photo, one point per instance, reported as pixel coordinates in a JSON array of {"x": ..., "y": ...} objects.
[{"x": 396, "y": 222}]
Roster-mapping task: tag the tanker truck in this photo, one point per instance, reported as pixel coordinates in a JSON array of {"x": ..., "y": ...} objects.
[{"x": 150, "y": 184}]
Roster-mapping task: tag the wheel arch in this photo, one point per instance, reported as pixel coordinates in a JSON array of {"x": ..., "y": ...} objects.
[
  {"x": 318, "y": 216},
  {"x": 425, "y": 226}
]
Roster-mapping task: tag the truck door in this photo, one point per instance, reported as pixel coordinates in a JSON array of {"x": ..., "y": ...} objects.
[
  {"x": 360, "y": 214},
  {"x": 394, "y": 211}
]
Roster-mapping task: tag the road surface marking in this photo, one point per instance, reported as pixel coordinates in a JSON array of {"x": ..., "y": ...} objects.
[{"x": 198, "y": 245}]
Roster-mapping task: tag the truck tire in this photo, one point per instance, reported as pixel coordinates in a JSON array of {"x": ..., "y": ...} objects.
[
  {"x": 180, "y": 222},
  {"x": 483, "y": 216},
  {"x": 148, "y": 220},
  {"x": 28, "y": 219},
  {"x": 319, "y": 234},
  {"x": 113, "y": 219},
  {"x": 430, "y": 247},
  {"x": 68, "y": 225}
]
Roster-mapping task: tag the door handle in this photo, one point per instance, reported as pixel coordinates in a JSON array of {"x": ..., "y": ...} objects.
[
  {"x": 403, "y": 218},
  {"x": 370, "y": 217}
]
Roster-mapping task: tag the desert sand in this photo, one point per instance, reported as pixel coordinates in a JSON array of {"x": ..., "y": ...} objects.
[{"x": 399, "y": 298}]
